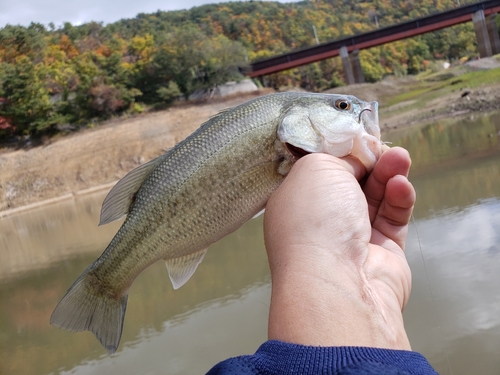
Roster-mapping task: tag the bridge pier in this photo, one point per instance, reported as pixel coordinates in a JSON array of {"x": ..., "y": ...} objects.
[
  {"x": 491, "y": 25},
  {"x": 488, "y": 41},
  {"x": 346, "y": 64},
  {"x": 352, "y": 66},
  {"x": 356, "y": 67}
]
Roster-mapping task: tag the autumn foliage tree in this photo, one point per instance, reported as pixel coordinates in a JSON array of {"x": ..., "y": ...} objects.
[{"x": 77, "y": 74}]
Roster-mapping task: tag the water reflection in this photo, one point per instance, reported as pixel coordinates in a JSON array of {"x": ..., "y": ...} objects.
[
  {"x": 193, "y": 342},
  {"x": 37, "y": 238},
  {"x": 234, "y": 269},
  {"x": 455, "y": 296},
  {"x": 453, "y": 248},
  {"x": 449, "y": 142},
  {"x": 453, "y": 316}
]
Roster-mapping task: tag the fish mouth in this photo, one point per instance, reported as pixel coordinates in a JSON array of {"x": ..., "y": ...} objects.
[
  {"x": 296, "y": 151},
  {"x": 364, "y": 110},
  {"x": 368, "y": 117}
]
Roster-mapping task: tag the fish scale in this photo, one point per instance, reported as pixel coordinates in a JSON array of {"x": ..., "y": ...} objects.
[{"x": 204, "y": 188}]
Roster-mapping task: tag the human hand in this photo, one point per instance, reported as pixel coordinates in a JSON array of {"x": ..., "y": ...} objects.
[{"x": 336, "y": 252}]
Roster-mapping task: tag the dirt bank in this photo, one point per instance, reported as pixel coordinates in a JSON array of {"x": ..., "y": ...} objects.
[
  {"x": 102, "y": 155},
  {"x": 98, "y": 156}
]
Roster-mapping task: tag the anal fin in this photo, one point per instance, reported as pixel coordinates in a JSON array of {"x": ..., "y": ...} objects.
[{"x": 182, "y": 268}]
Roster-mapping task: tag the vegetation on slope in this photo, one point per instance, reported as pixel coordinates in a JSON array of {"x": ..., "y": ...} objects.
[{"x": 58, "y": 78}]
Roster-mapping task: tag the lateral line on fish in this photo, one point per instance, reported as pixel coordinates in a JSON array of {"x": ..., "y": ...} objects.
[{"x": 434, "y": 312}]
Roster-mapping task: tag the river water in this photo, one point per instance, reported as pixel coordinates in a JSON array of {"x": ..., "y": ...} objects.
[{"x": 453, "y": 316}]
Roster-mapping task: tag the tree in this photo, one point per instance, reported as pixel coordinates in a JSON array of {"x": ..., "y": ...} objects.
[
  {"x": 17, "y": 41},
  {"x": 168, "y": 94},
  {"x": 76, "y": 73},
  {"x": 27, "y": 102}
]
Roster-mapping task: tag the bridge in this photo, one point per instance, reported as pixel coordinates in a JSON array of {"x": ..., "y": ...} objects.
[{"x": 482, "y": 14}]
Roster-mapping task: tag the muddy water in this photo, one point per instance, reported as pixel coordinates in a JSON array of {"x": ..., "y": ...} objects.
[{"x": 454, "y": 249}]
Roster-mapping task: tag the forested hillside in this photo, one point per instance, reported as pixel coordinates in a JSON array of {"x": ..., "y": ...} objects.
[{"x": 62, "y": 77}]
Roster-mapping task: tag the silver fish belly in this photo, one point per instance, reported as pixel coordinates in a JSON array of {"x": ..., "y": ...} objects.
[{"x": 204, "y": 188}]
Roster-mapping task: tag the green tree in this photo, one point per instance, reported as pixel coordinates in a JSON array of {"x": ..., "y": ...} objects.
[
  {"x": 102, "y": 89},
  {"x": 168, "y": 94},
  {"x": 28, "y": 103},
  {"x": 16, "y": 41},
  {"x": 72, "y": 74},
  {"x": 190, "y": 59}
]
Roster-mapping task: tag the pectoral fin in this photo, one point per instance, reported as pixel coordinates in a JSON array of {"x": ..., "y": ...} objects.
[
  {"x": 117, "y": 202},
  {"x": 182, "y": 268}
]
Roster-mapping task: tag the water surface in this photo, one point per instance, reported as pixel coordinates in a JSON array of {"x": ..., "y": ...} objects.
[{"x": 453, "y": 316}]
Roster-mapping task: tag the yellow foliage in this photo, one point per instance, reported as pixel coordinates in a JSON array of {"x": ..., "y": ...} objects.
[
  {"x": 143, "y": 47},
  {"x": 68, "y": 47}
]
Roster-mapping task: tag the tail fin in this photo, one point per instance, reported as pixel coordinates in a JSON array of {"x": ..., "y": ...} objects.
[{"x": 84, "y": 309}]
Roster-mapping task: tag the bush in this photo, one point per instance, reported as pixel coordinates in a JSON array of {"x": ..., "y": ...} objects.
[{"x": 169, "y": 94}]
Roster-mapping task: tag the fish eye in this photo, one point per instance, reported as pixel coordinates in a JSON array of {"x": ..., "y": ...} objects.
[{"x": 342, "y": 104}]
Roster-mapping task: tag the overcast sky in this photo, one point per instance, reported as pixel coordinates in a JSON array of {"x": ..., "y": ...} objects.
[{"x": 23, "y": 12}]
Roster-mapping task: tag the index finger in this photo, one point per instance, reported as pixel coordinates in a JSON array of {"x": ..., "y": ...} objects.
[{"x": 395, "y": 161}]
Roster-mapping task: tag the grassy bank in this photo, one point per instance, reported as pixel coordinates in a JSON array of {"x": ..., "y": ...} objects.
[{"x": 472, "y": 87}]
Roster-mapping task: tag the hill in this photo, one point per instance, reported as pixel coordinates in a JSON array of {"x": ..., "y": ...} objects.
[{"x": 76, "y": 76}]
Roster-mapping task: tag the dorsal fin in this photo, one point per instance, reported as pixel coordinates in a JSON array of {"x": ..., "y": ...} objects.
[
  {"x": 182, "y": 268},
  {"x": 117, "y": 202},
  {"x": 221, "y": 112}
]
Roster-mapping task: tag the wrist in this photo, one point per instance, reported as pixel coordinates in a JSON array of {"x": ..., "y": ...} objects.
[{"x": 312, "y": 305}]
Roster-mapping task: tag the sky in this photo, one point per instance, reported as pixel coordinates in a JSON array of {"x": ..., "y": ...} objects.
[{"x": 23, "y": 12}]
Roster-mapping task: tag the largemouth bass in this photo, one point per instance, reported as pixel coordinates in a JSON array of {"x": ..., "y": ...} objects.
[{"x": 206, "y": 187}]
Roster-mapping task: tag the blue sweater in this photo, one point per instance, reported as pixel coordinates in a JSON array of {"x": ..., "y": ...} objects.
[{"x": 276, "y": 357}]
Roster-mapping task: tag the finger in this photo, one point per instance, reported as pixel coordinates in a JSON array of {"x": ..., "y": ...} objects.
[
  {"x": 319, "y": 162},
  {"x": 318, "y": 189},
  {"x": 354, "y": 166},
  {"x": 395, "y": 161},
  {"x": 399, "y": 200},
  {"x": 395, "y": 211}
]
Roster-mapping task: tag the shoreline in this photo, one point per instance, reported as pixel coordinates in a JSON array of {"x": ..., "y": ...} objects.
[
  {"x": 95, "y": 159},
  {"x": 107, "y": 186},
  {"x": 60, "y": 198}
]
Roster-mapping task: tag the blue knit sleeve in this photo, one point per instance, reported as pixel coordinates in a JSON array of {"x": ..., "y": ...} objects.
[{"x": 279, "y": 358}]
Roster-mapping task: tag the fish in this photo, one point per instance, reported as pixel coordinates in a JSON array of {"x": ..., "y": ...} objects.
[{"x": 206, "y": 187}]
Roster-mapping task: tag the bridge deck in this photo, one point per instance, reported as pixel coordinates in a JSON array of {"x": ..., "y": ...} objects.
[{"x": 372, "y": 38}]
